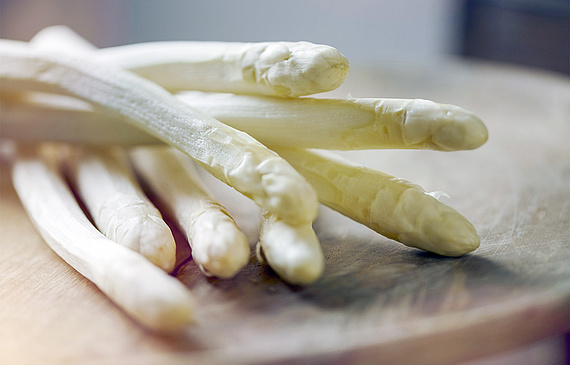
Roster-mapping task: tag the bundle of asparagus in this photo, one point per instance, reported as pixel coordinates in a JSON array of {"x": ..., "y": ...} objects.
[{"x": 155, "y": 110}]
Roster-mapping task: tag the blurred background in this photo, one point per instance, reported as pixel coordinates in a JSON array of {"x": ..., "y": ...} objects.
[{"x": 531, "y": 33}]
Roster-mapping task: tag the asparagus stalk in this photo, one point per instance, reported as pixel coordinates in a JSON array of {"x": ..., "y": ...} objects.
[
  {"x": 118, "y": 206},
  {"x": 231, "y": 156},
  {"x": 393, "y": 207},
  {"x": 219, "y": 248},
  {"x": 351, "y": 124},
  {"x": 149, "y": 295},
  {"x": 286, "y": 69}
]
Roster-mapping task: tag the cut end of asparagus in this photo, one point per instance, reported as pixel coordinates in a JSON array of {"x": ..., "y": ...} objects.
[
  {"x": 451, "y": 128},
  {"x": 294, "y": 252},
  {"x": 434, "y": 227},
  {"x": 218, "y": 246},
  {"x": 296, "y": 68}
]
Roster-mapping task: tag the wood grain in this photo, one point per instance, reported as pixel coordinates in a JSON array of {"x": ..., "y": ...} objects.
[{"x": 378, "y": 301}]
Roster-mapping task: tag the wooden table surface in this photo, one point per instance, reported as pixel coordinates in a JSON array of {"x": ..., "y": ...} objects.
[{"x": 378, "y": 301}]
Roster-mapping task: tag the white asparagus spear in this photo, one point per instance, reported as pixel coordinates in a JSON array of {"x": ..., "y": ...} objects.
[
  {"x": 293, "y": 251},
  {"x": 231, "y": 156},
  {"x": 118, "y": 206},
  {"x": 218, "y": 246},
  {"x": 287, "y": 69},
  {"x": 141, "y": 289},
  {"x": 390, "y": 206},
  {"x": 350, "y": 124}
]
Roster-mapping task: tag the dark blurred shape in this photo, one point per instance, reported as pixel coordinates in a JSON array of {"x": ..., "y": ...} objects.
[{"x": 527, "y": 32}]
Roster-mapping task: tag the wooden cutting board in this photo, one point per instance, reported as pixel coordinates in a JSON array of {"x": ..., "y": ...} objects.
[{"x": 378, "y": 301}]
